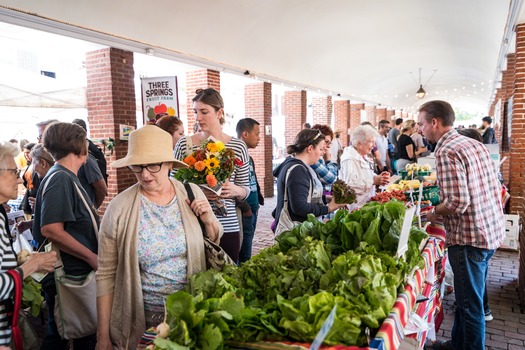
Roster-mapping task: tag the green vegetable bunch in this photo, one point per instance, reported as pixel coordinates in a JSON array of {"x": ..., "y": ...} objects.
[
  {"x": 32, "y": 296},
  {"x": 287, "y": 291},
  {"x": 343, "y": 193}
]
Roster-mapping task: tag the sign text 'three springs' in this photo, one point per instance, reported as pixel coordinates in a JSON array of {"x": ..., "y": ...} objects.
[{"x": 159, "y": 97}]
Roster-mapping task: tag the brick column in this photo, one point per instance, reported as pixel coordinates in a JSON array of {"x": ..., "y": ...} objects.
[
  {"x": 380, "y": 115},
  {"x": 404, "y": 115},
  {"x": 199, "y": 79},
  {"x": 295, "y": 113},
  {"x": 322, "y": 110},
  {"x": 110, "y": 97},
  {"x": 517, "y": 150},
  {"x": 355, "y": 114},
  {"x": 504, "y": 93},
  {"x": 258, "y": 105},
  {"x": 390, "y": 115},
  {"x": 342, "y": 120},
  {"x": 371, "y": 114}
]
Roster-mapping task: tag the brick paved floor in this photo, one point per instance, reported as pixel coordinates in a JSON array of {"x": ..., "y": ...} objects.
[{"x": 506, "y": 331}]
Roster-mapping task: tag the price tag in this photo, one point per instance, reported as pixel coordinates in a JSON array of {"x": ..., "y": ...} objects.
[
  {"x": 405, "y": 231},
  {"x": 328, "y": 323}
]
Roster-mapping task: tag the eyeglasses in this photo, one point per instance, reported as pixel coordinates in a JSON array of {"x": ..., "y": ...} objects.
[
  {"x": 152, "y": 168},
  {"x": 15, "y": 172}
]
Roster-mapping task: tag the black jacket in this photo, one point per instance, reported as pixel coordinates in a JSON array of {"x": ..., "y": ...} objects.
[{"x": 298, "y": 188}]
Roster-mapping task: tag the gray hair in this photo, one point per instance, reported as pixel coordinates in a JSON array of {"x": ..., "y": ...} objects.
[
  {"x": 7, "y": 149},
  {"x": 363, "y": 133}
]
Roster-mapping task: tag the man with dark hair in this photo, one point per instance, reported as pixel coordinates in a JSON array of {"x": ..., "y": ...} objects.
[
  {"x": 248, "y": 130},
  {"x": 393, "y": 134},
  {"x": 381, "y": 154},
  {"x": 95, "y": 151},
  {"x": 471, "y": 210},
  {"x": 489, "y": 135}
]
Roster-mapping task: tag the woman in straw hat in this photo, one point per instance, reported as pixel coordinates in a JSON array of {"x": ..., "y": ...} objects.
[{"x": 150, "y": 241}]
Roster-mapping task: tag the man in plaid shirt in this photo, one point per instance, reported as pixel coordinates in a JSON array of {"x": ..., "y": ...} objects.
[{"x": 473, "y": 217}]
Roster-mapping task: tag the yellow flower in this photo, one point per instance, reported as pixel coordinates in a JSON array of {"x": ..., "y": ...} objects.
[
  {"x": 220, "y": 146},
  {"x": 212, "y": 147},
  {"x": 212, "y": 163}
]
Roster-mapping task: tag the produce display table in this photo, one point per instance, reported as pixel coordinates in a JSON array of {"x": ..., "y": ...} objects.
[{"x": 425, "y": 283}]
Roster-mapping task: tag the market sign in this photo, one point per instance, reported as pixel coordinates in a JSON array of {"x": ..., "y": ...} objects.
[
  {"x": 405, "y": 231},
  {"x": 159, "y": 98}
]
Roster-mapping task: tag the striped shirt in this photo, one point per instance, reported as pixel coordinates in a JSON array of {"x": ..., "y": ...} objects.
[
  {"x": 7, "y": 285},
  {"x": 469, "y": 186},
  {"x": 240, "y": 177}
]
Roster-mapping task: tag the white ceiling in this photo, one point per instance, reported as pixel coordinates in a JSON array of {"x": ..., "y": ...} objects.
[{"x": 367, "y": 51}]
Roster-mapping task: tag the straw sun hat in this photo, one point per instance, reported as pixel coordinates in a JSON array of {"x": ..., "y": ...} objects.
[{"x": 149, "y": 145}]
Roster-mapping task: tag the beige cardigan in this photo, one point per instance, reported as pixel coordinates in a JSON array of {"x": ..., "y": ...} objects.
[{"x": 118, "y": 267}]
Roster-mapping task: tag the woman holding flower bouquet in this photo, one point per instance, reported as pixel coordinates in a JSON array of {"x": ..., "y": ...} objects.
[
  {"x": 148, "y": 241},
  {"x": 209, "y": 114}
]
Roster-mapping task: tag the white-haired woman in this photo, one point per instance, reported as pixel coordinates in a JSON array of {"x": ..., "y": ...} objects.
[
  {"x": 41, "y": 262},
  {"x": 356, "y": 170}
]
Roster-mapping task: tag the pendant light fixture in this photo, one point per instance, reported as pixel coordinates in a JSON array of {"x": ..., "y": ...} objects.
[{"x": 421, "y": 92}]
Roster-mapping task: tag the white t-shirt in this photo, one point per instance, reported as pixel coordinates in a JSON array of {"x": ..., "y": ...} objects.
[{"x": 382, "y": 147}]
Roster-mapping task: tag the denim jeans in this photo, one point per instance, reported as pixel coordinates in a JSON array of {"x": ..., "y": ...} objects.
[
  {"x": 470, "y": 266},
  {"x": 248, "y": 231}
]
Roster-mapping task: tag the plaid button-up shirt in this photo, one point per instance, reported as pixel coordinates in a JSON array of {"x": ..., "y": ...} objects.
[
  {"x": 327, "y": 173},
  {"x": 469, "y": 186}
]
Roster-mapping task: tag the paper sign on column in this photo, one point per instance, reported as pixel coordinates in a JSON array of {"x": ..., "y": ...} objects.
[{"x": 405, "y": 231}]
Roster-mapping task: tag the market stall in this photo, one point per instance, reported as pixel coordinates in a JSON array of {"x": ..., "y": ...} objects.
[{"x": 322, "y": 283}]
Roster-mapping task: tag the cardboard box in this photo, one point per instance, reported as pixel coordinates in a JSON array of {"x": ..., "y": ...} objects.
[
  {"x": 512, "y": 238},
  {"x": 512, "y": 220}
]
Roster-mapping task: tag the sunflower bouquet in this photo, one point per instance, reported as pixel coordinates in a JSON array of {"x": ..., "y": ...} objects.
[{"x": 209, "y": 166}]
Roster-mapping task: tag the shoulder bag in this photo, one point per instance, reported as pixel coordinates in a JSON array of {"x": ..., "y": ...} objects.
[
  {"x": 216, "y": 257},
  {"x": 285, "y": 222},
  {"x": 16, "y": 334},
  {"x": 76, "y": 300}
]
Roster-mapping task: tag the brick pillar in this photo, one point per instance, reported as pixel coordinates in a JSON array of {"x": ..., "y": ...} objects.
[
  {"x": 380, "y": 115},
  {"x": 517, "y": 149},
  {"x": 503, "y": 94},
  {"x": 355, "y": 115},
  {"x": 199, "y": 79},
  {"x": 404, "y": 115},
  {"x": 342, "y": 120},
  {"x": 371, "y": 114},
  {"x": 322, "y": 109},
  {"x": 295, "y": 113},
  {"x": 390, "y": 115},
  {"x": 258, "y": 105},
  {"x": 110, "y": 97}
]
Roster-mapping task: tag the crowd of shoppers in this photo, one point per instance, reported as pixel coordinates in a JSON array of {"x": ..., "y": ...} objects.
[{"x": 146, "y": 245}]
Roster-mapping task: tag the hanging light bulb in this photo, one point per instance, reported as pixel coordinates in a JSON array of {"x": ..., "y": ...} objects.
[{"x": 421, "y": 92}]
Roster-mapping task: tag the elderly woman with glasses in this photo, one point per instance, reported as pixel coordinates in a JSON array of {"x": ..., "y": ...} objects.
[
  {"x": 209, "y": 114},
  {"x": 150, "y": 241},
  {"x": 299, "y": 189},
  {"x": 356, "y": 170},
  {"x": 40, "y": 262}
]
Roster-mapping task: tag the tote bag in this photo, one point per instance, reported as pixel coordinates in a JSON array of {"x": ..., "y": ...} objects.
[{"x": 285, "y": 222}]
